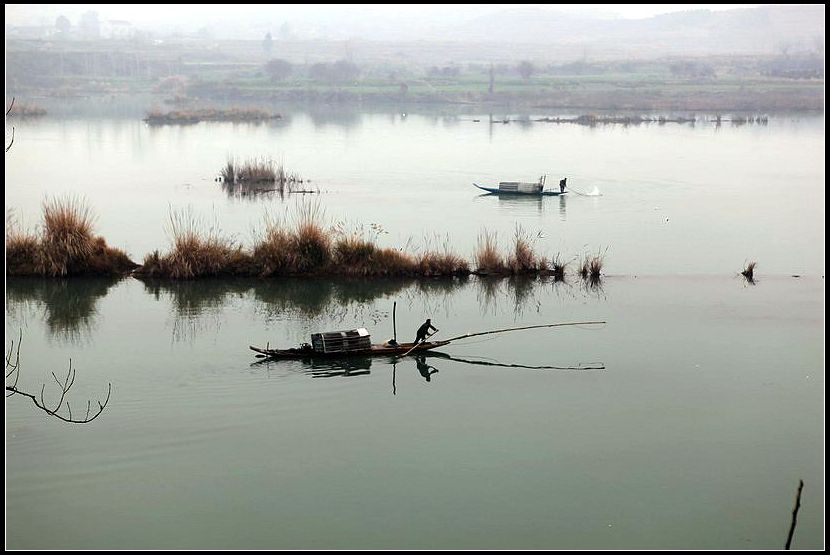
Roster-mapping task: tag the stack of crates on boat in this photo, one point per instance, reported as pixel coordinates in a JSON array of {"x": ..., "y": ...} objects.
[
  {"x": 341, "y": 341},
  {"x": 519, "y": 187}
]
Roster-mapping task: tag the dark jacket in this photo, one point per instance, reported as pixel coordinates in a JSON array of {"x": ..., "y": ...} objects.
[{"x": 424, "y": 330}]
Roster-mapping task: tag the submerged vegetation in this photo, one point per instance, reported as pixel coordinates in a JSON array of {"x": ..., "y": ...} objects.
[
  {"x": 592, "y": 120},
  {"x": 64, "y": 246},
  {"x": 195, "y": 115},
  {"x": 591, "y": 268},
  {"x": 259, "y": 175}
]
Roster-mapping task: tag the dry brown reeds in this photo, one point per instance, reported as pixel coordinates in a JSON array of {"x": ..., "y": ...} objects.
[
  {"x": 591, "y": 268},
  {"x": 558, "y": 268},
  {"x": 441, "y": 261},
  {"x": 65, "y": 245},
  {"x": 252, "y": 170},
  {"x": 255, "y": 174},
  {"x": 258, "y": 170},
  {"x": 198, "y": 251},
  {"x": 272, "y": 253},
  {"x": 159, "y": 117},
  {"x": 432, "y": 263},
  {"x": 523, "y": 259},
  {"x": 22, "y": 250},
  {"x": 67, "y": 234},
  {"x": 228, "y": 173},
  {"x": 310, "y": 244},
  {"x": 488, "y": 259},
  {"x": 355, "y": 254}
]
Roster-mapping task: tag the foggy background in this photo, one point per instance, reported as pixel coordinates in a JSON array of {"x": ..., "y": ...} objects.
[{"x": 638, "y": 57}]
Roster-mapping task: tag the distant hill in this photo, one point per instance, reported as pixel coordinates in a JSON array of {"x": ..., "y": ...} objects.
[{"x": 763, "y": 30}]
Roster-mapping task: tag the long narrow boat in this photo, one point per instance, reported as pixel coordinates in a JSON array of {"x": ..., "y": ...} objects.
[
  {"x": 497, "y": 191},
  {"x": 308, "y": 351},
  {"x": 356, "y": 343}
]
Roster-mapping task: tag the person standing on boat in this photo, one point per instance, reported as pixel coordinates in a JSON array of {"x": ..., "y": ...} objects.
[
  {"x": 423, "y": 331},
  {"x": 562, "y": 185}
]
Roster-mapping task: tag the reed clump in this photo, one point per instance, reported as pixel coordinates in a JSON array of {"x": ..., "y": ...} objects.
[
  {"x": 438, "y": 259},
  {"x": 434, "y": 264},
  {"x": 197, "y": 252},
  {"x": 195, "y": 115},
  {"x": 253, "y": 170},
  {"x": 354, "y": 255},
  {"x": 487, "y": 257},
  {"x": 558, "y": 268},
  {"x": 591, "y": 268},
  {"x": 65, "y": 245},
  {"x": 272, "y": 254},
  {"x": 22, "y": 252},
  {"x": 310, "y": 243},
  {"x": 523, "y": 259},
  {"x": 258, "y": 175}
]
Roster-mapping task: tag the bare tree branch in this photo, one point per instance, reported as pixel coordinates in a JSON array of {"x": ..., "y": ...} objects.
[
  {"x": 9, "y": 111},
  {"x": 13, "y": 369}
]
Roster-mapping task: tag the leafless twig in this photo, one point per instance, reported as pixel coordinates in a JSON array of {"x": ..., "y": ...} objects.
[{"x": 13, "y": 371}]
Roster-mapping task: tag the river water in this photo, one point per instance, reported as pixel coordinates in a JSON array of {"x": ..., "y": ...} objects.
[
  {"x": 708, "y": 409},
  {"x": 670, "y": 199}
]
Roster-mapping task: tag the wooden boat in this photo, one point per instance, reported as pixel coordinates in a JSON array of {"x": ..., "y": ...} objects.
[
  {"x": 522, "y": 188},
  {"x": 540, "y": 193},
  {"x": 356, "y": 343},
  {"x": 307, "y": 351}
]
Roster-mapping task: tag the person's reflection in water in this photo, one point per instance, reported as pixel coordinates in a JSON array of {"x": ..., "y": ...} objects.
[{"x": 425, "y": 369}]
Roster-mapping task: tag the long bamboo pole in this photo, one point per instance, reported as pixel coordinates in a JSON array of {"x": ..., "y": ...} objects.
[
  {"x": 523, "y": 328},
  {"x": 424, "y": 340}
]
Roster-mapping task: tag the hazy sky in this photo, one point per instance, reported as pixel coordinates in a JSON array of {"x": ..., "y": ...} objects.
[{"x": 188, "y": 15}]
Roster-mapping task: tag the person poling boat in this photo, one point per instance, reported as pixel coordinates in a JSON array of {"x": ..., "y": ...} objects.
[{"x": 423, "y": 331}]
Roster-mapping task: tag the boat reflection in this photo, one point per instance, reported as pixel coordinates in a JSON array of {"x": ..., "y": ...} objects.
[{"x": 347, "y": 367}]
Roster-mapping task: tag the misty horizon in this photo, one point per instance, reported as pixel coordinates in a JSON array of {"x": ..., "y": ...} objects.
[{"x": 333, "y": 22}]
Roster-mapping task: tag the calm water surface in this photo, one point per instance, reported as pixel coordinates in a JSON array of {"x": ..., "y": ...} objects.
[
  {"x": 696, "y": 433},
  {"x": 708, "y": 412},
  {"x": 675, "y": 199}
]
